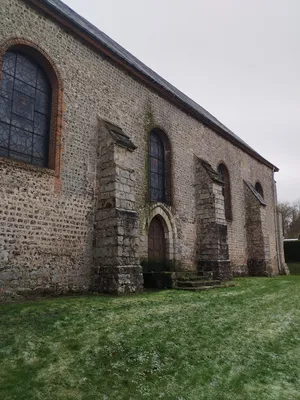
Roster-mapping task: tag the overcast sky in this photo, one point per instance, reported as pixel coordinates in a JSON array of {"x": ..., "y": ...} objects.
[{"x": 239, "y": 59}]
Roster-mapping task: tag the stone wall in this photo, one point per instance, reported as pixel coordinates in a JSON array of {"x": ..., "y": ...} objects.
[
  {"x": 257, "y": 233},
  {"x": 46, "y": 231},
  {"x": 117, "y": 268},
  {"x": 212, "y": 243},
  {"x": 45, "y": 237}
]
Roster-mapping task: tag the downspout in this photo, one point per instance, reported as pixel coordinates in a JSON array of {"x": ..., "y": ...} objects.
[{"x": 276, "y": 224}]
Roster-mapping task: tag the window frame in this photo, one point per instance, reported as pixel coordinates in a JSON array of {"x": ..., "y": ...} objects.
[
  {"x": 155, "y": 141},
  {"x": 166, "y": 186},
  {"x": 33, "y": 50},
  {"x": 35, "y": 91}
]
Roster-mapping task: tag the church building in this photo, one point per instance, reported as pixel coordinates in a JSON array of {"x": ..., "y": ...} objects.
[{"x": 108, "y": 172}]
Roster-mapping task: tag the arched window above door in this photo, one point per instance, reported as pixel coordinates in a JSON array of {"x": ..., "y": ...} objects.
[{"x": 159, "y": 167}]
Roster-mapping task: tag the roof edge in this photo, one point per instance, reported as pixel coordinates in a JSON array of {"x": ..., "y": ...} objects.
[{"x": 88, "y": 36}]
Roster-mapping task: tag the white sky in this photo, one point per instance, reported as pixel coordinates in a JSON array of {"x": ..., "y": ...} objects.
[{"x": 239, "y": 59}]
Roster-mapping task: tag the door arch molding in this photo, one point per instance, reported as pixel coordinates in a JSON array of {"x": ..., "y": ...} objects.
[{"x": 169, "y": 225}]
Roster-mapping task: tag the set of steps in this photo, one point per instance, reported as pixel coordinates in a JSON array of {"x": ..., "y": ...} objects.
[
  {"x": 196, "y": 283},
  {"x": 205, "y": 273}
]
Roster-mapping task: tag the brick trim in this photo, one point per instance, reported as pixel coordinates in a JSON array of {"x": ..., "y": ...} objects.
[{"x": 42, "y": 57}]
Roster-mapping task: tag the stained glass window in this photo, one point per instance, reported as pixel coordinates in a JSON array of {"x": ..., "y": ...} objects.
[
  {"x": 156, "y": 169},
  {"x": 25, "y": 110}
]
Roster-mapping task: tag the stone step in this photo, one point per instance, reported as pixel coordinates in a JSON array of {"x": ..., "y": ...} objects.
[
  {"x": 197, "y": 283},
  {"x": 207, "y": 268},
  {"x": 188, "y": 277},
  {"x": 194, "y": 277},
  {"x": 205, "y": 273},
  {"x": 202, "y": 288}
]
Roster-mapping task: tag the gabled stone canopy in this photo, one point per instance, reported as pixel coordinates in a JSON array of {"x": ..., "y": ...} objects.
[
  {"x": 214, "y": 176},
  {"x": 119, "y": 136},
  {"x": 255, "y": 192}
]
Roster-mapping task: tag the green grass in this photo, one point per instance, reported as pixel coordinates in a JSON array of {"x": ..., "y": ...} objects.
[
  {"x": 294, "y": 268},
  {"x": 235, "y": 343}
]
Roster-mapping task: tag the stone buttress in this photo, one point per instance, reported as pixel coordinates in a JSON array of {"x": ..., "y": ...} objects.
[
  {"x": 117, "y": 267},
  {"x": 257, "y": 233},
  {"x": 212, "y": 241}
]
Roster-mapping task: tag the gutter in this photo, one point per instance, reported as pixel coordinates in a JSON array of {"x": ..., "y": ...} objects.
[{"x": 276, "y": 224}]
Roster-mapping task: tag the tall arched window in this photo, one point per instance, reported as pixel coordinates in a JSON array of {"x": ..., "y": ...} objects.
[
  {"x": 259, "y": 189},
  {"x": 159, "y": 167},
  {"x": 224, "y": 175},
  {"x": 25, "y": 109}
]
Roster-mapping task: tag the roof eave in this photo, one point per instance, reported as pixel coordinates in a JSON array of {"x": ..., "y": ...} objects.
[{"x": 102, "y": 47}]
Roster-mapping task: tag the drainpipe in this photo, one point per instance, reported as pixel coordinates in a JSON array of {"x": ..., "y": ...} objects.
[{"x": 276, "y": 224}]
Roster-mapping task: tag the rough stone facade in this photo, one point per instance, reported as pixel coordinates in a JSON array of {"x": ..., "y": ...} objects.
[
  {"x": 82, "y": 223},
  {"x": 117, "y": 268},
  {"x": 212, "y": 242},
  {"x": 257, "y": 234}
]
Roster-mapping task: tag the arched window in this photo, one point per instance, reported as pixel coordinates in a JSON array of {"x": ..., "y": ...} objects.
[
  {"x": 25, "y": 109},
  {"x": 159, "y": 167},
  {"x": 224, "y": 175},
  {"x": 259, "y": 189}
]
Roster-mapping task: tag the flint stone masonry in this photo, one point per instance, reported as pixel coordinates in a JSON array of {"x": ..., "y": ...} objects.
[{"x": 82, "y": 224}]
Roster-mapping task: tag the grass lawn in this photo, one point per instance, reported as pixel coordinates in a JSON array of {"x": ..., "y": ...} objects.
[{"x": 236, "y": 343}]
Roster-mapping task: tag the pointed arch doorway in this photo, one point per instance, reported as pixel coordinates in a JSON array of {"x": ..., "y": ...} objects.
[
  {"x": 155, "y": 276},
  {"x": 156, "y": 243}
]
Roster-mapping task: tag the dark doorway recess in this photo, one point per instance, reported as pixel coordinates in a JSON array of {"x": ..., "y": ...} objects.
[
  {"x": 156, "y": 241},
  {"x": 157, "y": 272}
]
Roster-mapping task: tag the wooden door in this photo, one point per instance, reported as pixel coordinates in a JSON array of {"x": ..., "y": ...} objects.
[{"x": 156, "y": 241}]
